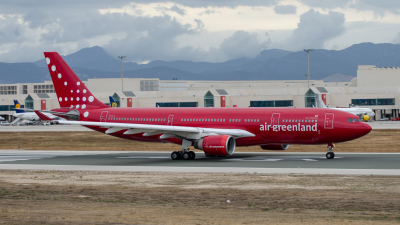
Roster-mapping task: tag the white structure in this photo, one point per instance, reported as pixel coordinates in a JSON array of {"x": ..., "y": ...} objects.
[{"x": 375, "y": 88}]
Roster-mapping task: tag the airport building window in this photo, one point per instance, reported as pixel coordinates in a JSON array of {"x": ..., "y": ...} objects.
[
  {"x": 209, "y": 100},
  {"x": 24, "y": 89},
  {"x": 149, "y": 85},
  {"x": 29, "y": 102},
  {"x": 385, "y": 101},
  {"x": 42, "y": 89},
  {"x": 8, "y": 107},
  {"x": 279, "y": 103},
  {"x": 117, "y": 99},
  {"x": 381, "y": 101},
  {"x": 310, "y": 99},
  {"x": 8, "y": 90},
  {"x": 176, "y": 104}
]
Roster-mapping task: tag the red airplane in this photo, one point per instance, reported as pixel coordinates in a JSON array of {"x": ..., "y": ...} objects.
[{"x": 216, "y": 131}]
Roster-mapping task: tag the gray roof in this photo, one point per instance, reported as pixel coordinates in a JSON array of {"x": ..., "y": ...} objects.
[
  {"x": 43, "y": 95},
  {"x": 129, "y": 94},
  {"x": 222, "y": 92},
  {"x": 322, "y": 90}
]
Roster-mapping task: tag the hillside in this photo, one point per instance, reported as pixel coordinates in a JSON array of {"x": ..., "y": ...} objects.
[{"x": 272, "y": 64}]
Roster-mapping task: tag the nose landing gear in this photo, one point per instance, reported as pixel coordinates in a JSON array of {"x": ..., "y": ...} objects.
[{"x": 330, "y": 154}]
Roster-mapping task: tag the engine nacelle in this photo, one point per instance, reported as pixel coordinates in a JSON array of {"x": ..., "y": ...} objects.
[
  {"x": 365, "y": 117},
  {"x": 274, "y": 147},
  {"x": 219, "y": 145}
]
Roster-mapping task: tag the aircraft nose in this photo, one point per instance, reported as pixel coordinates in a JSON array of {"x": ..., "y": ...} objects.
[{"x": 364, "y": 129}]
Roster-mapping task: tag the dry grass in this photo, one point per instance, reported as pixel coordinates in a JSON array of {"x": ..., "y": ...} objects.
[
  {"x": 376, "y": 141},
  {"x": 67, "y": 197}
]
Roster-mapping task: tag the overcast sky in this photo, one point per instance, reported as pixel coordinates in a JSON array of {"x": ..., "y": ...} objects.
[{"x": 197, "y": 30}]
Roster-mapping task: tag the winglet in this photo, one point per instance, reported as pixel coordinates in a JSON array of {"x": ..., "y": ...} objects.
[{"x": 42, "y": 116}]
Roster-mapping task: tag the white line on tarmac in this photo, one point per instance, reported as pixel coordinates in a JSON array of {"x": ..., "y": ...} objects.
[{"x": 202, "y": 169}]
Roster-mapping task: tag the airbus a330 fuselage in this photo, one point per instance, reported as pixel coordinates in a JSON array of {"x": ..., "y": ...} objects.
[{"x": 216, "y": 131}]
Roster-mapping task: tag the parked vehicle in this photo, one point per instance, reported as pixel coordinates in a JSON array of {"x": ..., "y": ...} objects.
[
  {"x": 384, "y": 119},
  {"x": 4, "y": 123},
  {"x": 394, "y": 119}
]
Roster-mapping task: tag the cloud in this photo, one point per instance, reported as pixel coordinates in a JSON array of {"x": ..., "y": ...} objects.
[
  {"x": 242, "y": 44},
  {"x": 175, "y": 9},
  {"x": 327, "y": 4},
  {"x": 208, "y": 12},
  {"x": 285, "y": 9},
  {"x": 142, "y": 38},
  {"x": 315, "y": 29},
  {"x": 23, "y": 6},
  {"x": 380, "y": 8}
]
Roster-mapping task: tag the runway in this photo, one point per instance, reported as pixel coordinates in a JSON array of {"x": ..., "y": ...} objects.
[{"x": 287, "y": 162}]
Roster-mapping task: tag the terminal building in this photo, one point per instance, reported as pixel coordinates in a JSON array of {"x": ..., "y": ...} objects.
[{"x": 374, "y": 87}]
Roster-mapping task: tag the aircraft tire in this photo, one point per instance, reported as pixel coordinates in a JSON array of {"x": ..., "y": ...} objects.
[
  {"x": 330, "y": 155},
  {"x": 192, "y": 155},
  {"x": 187, "y": 156},
  {"x": 175, "y": 156}
]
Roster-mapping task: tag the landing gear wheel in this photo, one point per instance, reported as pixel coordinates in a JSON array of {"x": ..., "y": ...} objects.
[
  {"x": 175, "y": 155},
  {"x": 330, "y": 155},
  {"x": 187, "y": 156},
  {"x": 192, "y": 155}
]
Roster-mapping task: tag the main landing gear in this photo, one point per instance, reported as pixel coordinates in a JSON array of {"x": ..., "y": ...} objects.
[
  {"x": 330, "y": 154},
  {"x": 185, "y": 153}
]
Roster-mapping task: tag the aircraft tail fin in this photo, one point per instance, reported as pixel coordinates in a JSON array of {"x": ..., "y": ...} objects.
[
  {"x": 71, "y": 91},
  {"x": 320, "y": 103},
  {"x": 17, "y": 107},
  {"x": 113, "y": 103},
  {"x": 42, "y": 116}
]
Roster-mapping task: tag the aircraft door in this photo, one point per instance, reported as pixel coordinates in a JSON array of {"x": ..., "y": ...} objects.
[
  {"x": 103, "y": 116},
  {"x": 170, "y": 119},
  {"x": 275, "y": 119},
  {"x": 328, "y": 123}
]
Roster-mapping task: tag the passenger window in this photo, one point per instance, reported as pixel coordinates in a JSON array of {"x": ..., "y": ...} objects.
[
  {"x": 251, "y": 120},
  {"x": 282, "y": 121},
  {"x": 224, "y": 120},
  {"x": 312, "y": 121},
  {"x": 245, "y": 120},
  {"x": 217, "y": 120},
  {"x": 229, "y": 120},
  {"x": 239, "y": 120}
]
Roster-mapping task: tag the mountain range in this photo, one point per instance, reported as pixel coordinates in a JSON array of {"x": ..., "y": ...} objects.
[{"x": 271, "y": 64}]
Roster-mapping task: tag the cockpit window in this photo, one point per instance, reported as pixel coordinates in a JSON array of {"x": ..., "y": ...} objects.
[
  {"x": 349, "y": 120},
  {"x": 354, "y": 119}
]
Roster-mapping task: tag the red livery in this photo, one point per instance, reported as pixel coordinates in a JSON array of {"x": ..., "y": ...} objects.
[{"x": 216, "y": 131}]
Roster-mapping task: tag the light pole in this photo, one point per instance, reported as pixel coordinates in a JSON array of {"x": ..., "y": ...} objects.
[
  {"x": 122, "y": 70},
  {"x": 308, "y": 57}
]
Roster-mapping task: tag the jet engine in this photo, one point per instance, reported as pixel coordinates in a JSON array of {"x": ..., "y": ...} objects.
[
  {"x": 220, "y": 145},
  {"x": 365, "y": 117},
  {"x": 274, "y": 147}
]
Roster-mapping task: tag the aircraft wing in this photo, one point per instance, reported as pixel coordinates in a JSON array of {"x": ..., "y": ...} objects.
[{"x": 167, "y": 131}]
